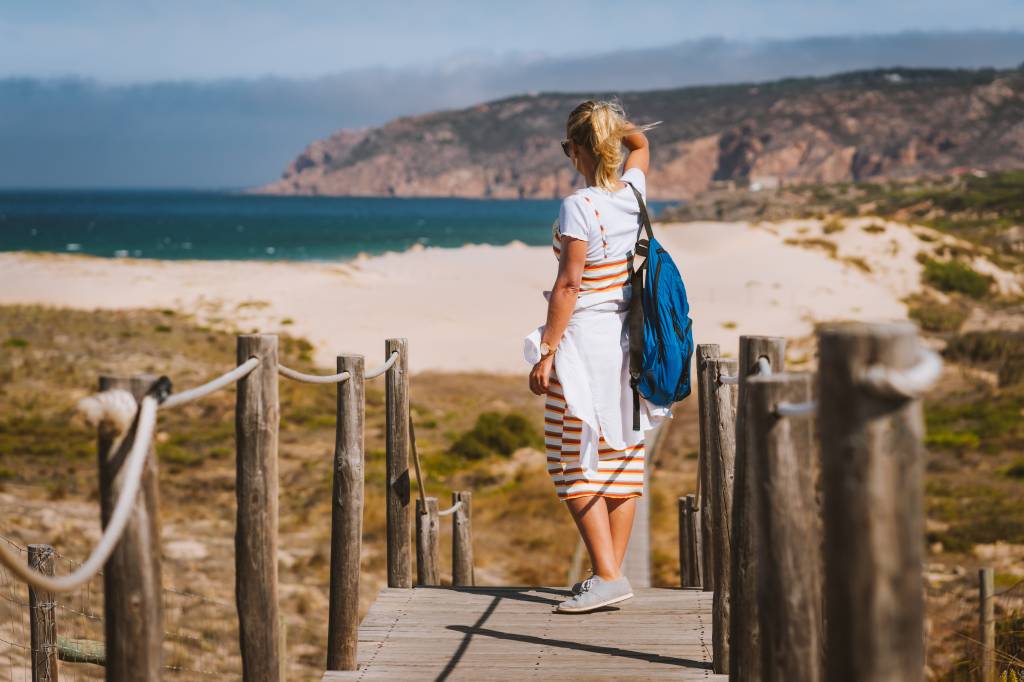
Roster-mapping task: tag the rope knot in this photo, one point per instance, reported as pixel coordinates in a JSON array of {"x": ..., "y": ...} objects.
[{"x": 112, "y": 410}]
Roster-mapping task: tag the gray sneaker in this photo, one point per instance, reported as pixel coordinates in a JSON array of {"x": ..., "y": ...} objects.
[
  {"x": 599, "y": 593},
  {"x": 583, "y": 585}
]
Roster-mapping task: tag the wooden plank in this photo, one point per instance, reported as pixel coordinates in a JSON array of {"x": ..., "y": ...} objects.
[
  {"x": 257, "y": 418},
  {"x": 42, "y": 615},
  {"x": 511, "y": 633},
  {"x": 872, "y": 471},
  {"x": 428, "y": 527},
  {"x": 689, "y": 542},
  {"x": 722, "y": 452},
  {"x": 133, "y": 615},
  {"x": 347, "y": 515},
  {"x": 789, "y": 565},
  {"x": 744, "y": 638},
  {"x": 706, "y": 354},
  {"x": 987, "y": 624},
  {"x": 396, "y": 399},
  {"x": 462, "y": 539}
]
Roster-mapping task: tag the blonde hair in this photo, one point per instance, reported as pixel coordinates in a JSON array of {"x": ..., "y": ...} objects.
[{"x": 600, "y": 126}]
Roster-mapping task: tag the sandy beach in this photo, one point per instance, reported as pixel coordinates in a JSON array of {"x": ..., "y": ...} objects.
[{"x": 469, "y": 308}]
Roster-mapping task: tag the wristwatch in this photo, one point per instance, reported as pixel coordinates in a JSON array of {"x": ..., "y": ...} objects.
[{"x": 546, "y": 350}]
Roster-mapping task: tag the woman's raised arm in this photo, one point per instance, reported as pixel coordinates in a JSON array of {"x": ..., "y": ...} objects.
[{"x": 639, "y": 151}]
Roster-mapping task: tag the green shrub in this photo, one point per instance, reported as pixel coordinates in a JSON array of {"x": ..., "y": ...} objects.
[
  {"x": 937, "y": 317},
  {"x": 994, "y": 419},
  {"x": 15, "y": 342},
  {"x": 950, "y": 276},
  {"x": 952, "y": 440},
  {"x": 1004, "y": 350},
  {"x": 496, "y": 433},
  {"x": 1015, "y": 470}
]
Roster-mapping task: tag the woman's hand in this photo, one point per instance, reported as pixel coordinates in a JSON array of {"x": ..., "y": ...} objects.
[{"x": 540, "y": 375}]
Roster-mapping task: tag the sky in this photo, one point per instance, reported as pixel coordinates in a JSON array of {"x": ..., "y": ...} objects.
[{"x": 134, "y": 41}]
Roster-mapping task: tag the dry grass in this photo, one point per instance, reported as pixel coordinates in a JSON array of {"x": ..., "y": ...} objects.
[{"x": 522, "y": 534}]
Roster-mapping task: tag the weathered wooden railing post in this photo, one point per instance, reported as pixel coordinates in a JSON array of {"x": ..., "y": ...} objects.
[
  {"x": 133, "y": 612},
  {"x": 257, "y": 418},
  {"x": 872, "y": 460},
  {"x": 396, "y": 387},
  {"x": 462, "y": 539},
  {"x": 347, "y": 516},
  {"x": 428, "y": 526},
  {"x": 744, "y": 650},
  {"x": 706, "y": 352},
  {"x": 987, "y": 624},
  {"x": 42, "y": 616},
  {"x": 721, "y": 420},
  {"x": 689, "y": 570},
  {"x": 781, "y": 449}
]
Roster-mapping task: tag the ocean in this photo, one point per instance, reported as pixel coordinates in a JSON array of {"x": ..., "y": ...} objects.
[{"x": 176, "y": 225}]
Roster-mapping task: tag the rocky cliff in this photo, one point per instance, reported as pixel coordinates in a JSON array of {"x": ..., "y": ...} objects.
[{"x": 886, "y": 124}]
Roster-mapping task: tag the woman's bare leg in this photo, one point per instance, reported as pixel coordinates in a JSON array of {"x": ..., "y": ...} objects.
[
  {"x": 591, "y": 516},
  {"x": 620, "y": 522}
]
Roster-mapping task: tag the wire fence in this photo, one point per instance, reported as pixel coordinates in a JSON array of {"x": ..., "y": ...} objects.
[
  {"x": 200, "y": 636},
  {"x": 1008, "y": 620}
]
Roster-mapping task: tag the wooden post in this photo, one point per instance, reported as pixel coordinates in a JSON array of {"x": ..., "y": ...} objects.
[
  {"x": 462, "y": 539},
  {"x": 42, "y": 615},
  {"x": 987, "y": 624},
  {"x": 689, "y": 571},
  {"x": 132, "y": 604},
  {"x": 427, "y": 553},
  {"x": 684, "y": 544},
  {"x": 396, "y": 387},
  {"x": 706, "y": 352},
  {"x": 722, "y": 453},
  {"x": 744, "y": 640},
  {"x": 789, "y": 565},
  {"x": 257, "y": 417},
  {"x": 872, "y": 461},
  {"x": 347, "y": 516}
]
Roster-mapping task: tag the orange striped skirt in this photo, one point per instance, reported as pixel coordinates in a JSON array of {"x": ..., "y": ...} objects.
[{"x": 620, "y": 472}]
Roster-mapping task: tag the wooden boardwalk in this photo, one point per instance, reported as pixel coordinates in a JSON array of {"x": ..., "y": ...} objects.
[{"x": 510, "y": 633}]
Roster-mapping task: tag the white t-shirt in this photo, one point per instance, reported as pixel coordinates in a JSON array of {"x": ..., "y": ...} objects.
[{"x": 607, "y": 221}]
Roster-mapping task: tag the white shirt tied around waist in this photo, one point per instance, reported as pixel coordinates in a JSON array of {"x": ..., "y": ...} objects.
[{"x": 592, "y": 359}]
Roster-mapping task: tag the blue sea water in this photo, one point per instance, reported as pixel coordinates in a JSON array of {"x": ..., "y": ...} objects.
[{"x": 176, "y": 225}]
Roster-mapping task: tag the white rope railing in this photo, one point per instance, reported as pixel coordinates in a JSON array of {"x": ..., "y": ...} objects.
[
  {"x": 796, "y": 409},
  {"x": 884, "y": 381},
  {"x": 763, "y": 368},
  {"x": 383, "y": 368},
  {"x": 211, "y": 386},
  {"x": 450, "y": 510},
  {"x": 334, "y": 378},
  {"x": 313, "y": 378},
  {"x": 903, "y": 383},
  {"x": 117, "y": 408},
  {"x": 134, "y": 466}
]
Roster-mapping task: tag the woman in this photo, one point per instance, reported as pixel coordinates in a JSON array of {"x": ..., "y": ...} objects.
[{"x": 580, "y": 355}]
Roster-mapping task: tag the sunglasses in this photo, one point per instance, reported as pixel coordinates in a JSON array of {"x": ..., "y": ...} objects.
[{"x": 566, "y": 146}]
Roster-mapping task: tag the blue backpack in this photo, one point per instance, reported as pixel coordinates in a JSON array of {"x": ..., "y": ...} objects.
[{"x": 660, "y": 328}]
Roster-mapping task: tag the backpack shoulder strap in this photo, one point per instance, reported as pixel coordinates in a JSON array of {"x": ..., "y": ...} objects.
[
  {"x": 635, "y": 316},
  {"x": 645, "y": 219}
]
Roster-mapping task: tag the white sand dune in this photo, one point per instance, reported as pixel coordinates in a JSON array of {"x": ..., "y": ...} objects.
[{"x": 469, "y": 308}]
